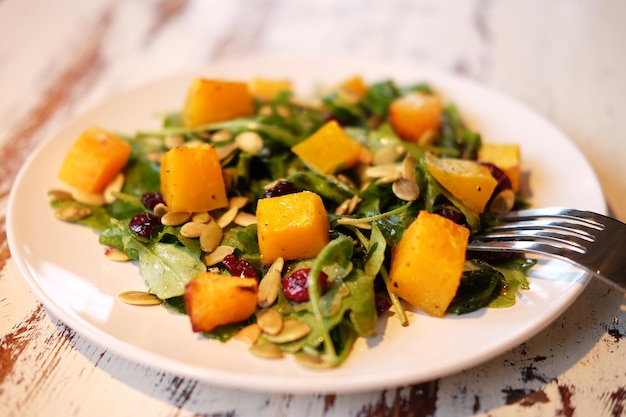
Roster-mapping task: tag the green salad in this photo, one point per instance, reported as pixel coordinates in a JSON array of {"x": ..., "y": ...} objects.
[{"x": 295, "y": 225}]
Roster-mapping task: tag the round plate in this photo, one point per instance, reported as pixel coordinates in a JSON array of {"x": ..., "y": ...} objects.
[{"x": 65, "y": 267}]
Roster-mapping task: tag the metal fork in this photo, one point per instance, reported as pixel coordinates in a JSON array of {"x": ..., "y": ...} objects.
[{"x": 591, "y": 241}]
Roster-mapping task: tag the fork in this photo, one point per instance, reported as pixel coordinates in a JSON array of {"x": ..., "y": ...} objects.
[{"x": 591, "y": 241}]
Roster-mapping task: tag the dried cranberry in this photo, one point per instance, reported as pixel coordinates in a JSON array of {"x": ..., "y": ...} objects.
[
  {"x": 282, "y": 187},
  {"x": 382, "y": 303},
  {"x": 452, "y": 214},
  {"x": 295, "y": 285},
  {"x": 144, "y": 224},
  {"x": 151, "y": 199},
  {"x": 239, "y": 267},
  {"x": 504, "y": 183}
]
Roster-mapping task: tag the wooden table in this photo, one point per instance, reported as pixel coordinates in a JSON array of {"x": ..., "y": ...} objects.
[{"x": 565, "y": 59}]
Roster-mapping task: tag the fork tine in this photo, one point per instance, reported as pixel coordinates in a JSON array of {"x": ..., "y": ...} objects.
[
  {"x": 578, "y": 216},
  {"x": 556, "y": 239}
]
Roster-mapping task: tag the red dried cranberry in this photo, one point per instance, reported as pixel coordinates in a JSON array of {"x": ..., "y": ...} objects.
[
  {"x": 144, "y": 224},
  {"x": 282, "y": 187},
  {"x": 382, "y": 303},
  {"x": 239, "y": 267},
  {"x": 151, "y": 199},
  {"x": 295, "y": 285},
  {"x": 452, "y": 214}
]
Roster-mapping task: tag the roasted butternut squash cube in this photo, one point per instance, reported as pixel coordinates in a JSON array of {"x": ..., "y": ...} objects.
[
  {"x": 427, "y": 263},
  {"x": 355, "y": 87},
  {"x": 414, "y": 115},
  {"x": 504, "y": 156},
  {"x": 329, "y": 149},
  {"x": 466, "y": 180},
  {"x": 292, "y": 226},
  {"x": 266, "y": 89},
  {"x": 211, "y": 101},
  {"x": 94, "y": 159},
  {"x": 213, "y": 300},
  {"x": 191, "y": 179}
]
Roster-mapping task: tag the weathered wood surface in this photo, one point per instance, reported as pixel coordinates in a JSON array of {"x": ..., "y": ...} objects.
[{"x": 565, "y": 59}]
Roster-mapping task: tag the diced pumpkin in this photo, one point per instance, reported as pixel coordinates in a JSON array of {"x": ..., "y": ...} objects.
[
  {"x": 504, "y": 156},
  {"x": 191, "y": 179},
  {"x": 427, "y": 263},
  {"x": 213, "y": 300},
  {"x": 94, "y": 159},
  {"x": 415, "y": 115},
  {"x": 466, "y": 180},
  {"x": 211, "y": 101},
  {"x": 292, "y": 226},
  {"x": 329, "y": 149},
  {"x": 354, "y": 86},
  {"x": 266, "y": 89}
]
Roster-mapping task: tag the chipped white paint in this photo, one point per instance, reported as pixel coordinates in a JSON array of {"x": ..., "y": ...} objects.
[{"x": 563, "y": 58}]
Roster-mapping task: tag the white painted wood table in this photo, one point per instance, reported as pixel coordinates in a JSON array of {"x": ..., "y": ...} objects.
[{"x": 565, "y": 59}]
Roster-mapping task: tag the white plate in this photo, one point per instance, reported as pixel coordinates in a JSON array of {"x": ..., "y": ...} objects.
[{"x": 65, "y": 267}]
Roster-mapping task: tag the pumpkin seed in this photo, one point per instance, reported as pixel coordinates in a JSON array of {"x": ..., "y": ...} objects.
[
  {"x": 228, "y": 216},
  {"x": 224, "y": 151},
  {"x": 270, "y": 284},
  {"x": 292, "y": 330},
  {"x": 250, "y": 142},
  {"x": 502, "y": 202},
  {"x": 60, "y": 195},
  {"x": 203, "y": 217},
  {"x": 72, "y": 212},
  {"x": 270, "y": 321},
  {"x": 211, "y": 237},
  {"x": 173, "y": 141},
  {"x": 238, "y": 202},
  {"x": 218, "y": 255},
  {"x": 408, "y": 168},
  {"x": 406, "y": 190},
  {"x": 427, "y": 138},
  {"x": 244, "y": 219},
  {"x": 192, "y": 229},
  {"x": 115, "y": 186},
  {"x": 116, "y": 255},
  {"x": 223, "y": 135},
  {"x": 155, "y": 157},
  {"x": 139, "y": 298},
  {"x": 311, "y": 361},
  {"x": 342, "y": 209},
  {"x": 354, "y": 201},
  {"x": 175, "y": 218},
  {"x": 266, "y": 351},
  {"x": 382, "y": 171},
  {"x": 93, "y": 199},
  {"x": 160, "y": 210},
  {"x": 389, "y": 179},
  {"x": 387, "y": 155},
  {"x": 249, "y": 334}
]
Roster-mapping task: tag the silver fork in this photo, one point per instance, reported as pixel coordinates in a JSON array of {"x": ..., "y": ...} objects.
[{"x": 591, "y": 241}]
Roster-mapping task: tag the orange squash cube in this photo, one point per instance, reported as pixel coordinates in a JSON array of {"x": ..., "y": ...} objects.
[
  {"x": 292, "y": 226},
  {"x": 266, "y": 89},
  {"x": 329, "y": 149},
  {"x": 504, "y": 156},
  {"x": 213, "y": 300},
  {"x": 94, "y": 159},
  {"x": 467, "y": 180},
  {"x": 211, "y": 101},
  {"x": 415, "y": 114},
  {"x": 191, "y": 179},
  {"x": 427, "y": 264},
  {"x": 354, "y": 87}
]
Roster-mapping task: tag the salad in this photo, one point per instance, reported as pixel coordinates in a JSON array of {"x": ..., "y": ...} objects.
[{"x": 296, "y": 225}]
